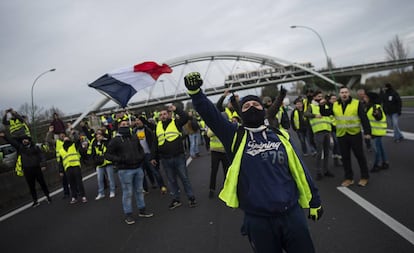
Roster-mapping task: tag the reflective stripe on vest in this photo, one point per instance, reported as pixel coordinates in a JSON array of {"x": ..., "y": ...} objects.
[
  {"x": 319, "y": 124},
  {"x": 229, "y": 192},
  {"x": 18, "y": 168},
  {"x": 348, "y": 122},
  {"x": 170, "y": 133},
  {"x": 70, "y": 158},
  {"x": 378, "y": 127},
  {"x": 16, "y": 124}
]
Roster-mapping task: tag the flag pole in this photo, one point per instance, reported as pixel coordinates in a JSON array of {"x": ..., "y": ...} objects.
[{"x": 98, "y": 104}]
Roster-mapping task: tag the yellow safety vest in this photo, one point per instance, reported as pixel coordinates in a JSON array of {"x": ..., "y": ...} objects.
[
  {"x": 59, "y": 145},
  {"x": 170, "y": 133},
  {"x": 348, "y": 122},
  {"x": 16, "y": 124},
  {"x": 296, "y": 120},
  {"x": 378, "y": 127},
  {"x": 229, "y": 192},
  {"x": 319, "y": 124},
  {"x": 101, "y": 153},
  {"x": 70, "y": 157},
  {"x": 18, "y": 168},
  {"x": 215, "y": 143}
]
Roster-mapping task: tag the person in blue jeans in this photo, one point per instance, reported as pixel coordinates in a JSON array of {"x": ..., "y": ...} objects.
[
  {"x": 168, "y": 148},
  {"x": 98, "y": 149},
  {"x": 392, "y": 106},
  {"x": 126, "y": 152}
]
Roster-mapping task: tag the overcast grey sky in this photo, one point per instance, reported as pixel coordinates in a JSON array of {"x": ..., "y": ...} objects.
[{"x": 84, "y": 39}]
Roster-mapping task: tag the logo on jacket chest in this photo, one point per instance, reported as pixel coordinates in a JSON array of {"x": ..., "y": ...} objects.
[{"x": 254, "y": 148}]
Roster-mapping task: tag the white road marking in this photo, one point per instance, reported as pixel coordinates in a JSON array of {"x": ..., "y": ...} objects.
[
  {"x": 380, "y": 215},
  {"x": 21, "y": 209}
]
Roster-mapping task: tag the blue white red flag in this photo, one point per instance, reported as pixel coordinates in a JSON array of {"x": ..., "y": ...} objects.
[{"x": 122, "y": 84}]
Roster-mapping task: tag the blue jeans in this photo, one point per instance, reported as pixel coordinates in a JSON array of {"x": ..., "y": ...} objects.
[
  {"x": 379, "y": 151},
  {"x": 393, "y": 122},
  {"x": 131, "y": 181},
  {"x": 174, "y": 167},
  {"x": 110, "y": 173},
  {"x": 288, "y": 231},
  {"x": 194, "y": 144}
]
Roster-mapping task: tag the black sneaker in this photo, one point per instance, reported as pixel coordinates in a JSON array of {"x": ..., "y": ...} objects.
[
  {"x": 374, "y": 169},
  {"x": 129, "y": 220},
  {"x": 174, "y": 204},
  {"x": 192, "y": 202},
  {"x": 48, "y": 199},
  {"x": 144, "y": 214},
  {"x": 385, "y": 166},
  {"x": 35, "y": 204}
]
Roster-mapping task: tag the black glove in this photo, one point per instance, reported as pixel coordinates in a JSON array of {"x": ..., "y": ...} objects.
[
  {"x": 315, "y": 213},
  {"x": 193, "y": 81}
]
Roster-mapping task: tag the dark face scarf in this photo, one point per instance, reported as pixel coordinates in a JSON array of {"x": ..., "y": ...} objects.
[
  {"x": 124, "y": 131},
  {"x": 253, "y": 117}
]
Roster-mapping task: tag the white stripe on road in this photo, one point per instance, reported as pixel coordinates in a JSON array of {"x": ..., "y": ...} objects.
[
  {"x": 21, "y": 209},
  {"x": 407, "y": 135},
  {"x": 380, "y": 215}
]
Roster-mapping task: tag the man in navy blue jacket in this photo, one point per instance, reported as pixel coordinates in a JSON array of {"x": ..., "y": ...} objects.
[{"x": 266, "y": 179}]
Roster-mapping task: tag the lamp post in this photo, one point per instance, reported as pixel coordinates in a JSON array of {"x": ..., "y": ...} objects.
[
  {"x": 33, "y": 109},
  {"x": 323, "y": 46}
]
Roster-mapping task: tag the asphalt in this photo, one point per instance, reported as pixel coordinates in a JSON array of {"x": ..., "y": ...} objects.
[{"x": 346, "y": 226}]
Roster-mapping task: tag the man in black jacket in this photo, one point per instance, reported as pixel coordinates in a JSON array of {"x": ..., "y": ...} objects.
[
  {"x": 32, "y": 161},
  {"x": 125, "y": 151},
  {"x": 392, "y": 107}
]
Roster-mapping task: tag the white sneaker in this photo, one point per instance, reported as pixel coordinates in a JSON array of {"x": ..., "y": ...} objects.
[
  {"x": 100, "y": 196},
  {"x": 112, "y": 195}
]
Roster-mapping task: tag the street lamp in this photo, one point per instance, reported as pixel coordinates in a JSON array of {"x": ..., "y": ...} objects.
[
  {"x": 323, "y": 46},
  {"x": 33, "y": 109}
]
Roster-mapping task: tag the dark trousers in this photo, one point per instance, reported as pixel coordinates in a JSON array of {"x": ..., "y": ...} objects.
[
  {"x": 322, "y": 141},
  {"x": 216, "y": 158},
  {"x": 288, "y": 231},
  {"x": 32, "y": 175},
  {"x": 75, "y": 181},
  {"x": 354, "y": 143}
]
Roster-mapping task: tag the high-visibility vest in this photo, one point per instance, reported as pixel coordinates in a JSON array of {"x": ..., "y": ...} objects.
[
  {"x": 215, "y": 143},
  {"x": 70, "y": 157},
  {"x": 16, "y": 124},
  {"x": 347, "y": 122},
  {"x": 228, "y": 112},
  {"x": 319, "y": 124},
  {"x": 100, "y": 152},
  {"x": 18, "y": 168},
  {"x": 296, "y": 120},
  {"x": 229, "y": 192},
  {"x": 59, "y": 145},
  {"x": 169, "y": 134},
  {"x": 378, "y": 127}
]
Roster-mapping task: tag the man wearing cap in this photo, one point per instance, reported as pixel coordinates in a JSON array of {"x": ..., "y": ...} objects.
[{"x": 266, "y": 178}]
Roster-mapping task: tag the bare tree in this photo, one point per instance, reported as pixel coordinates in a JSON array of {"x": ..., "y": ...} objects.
[{"x": 396, "y": 50}]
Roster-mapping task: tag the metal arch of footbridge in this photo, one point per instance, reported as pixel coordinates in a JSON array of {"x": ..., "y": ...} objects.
[{"x": 263, "y": 60}]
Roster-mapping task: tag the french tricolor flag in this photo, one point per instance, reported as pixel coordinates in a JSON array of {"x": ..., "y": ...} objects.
[{"x": 122, "y": 84}]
